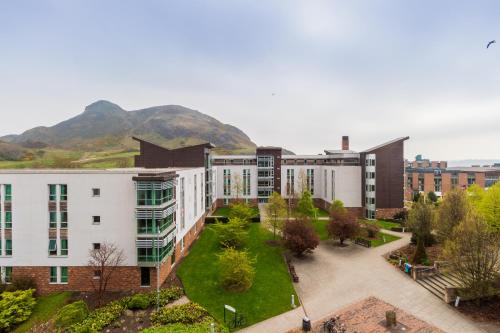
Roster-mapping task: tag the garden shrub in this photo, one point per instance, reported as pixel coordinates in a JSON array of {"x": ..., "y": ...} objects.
[
  {"x": 188, "y": 313},
  {"x": 101, "y": 317},
  {"x": 22, "y": 283},
  {"x": 167, "y": 295},
  {"x": 71, "y": 314},
  {"x": 241, "y": 211},
  {"x": 299, "y": 236},
  {"x": 236, "y": 270},
  {"x": 15, "y": 307},
  {"x": 371, "y": 230},
  {"x": 201, "y": 327},
  {"x": 140, "y": 301},
  {"x": 231, "y": 234}
]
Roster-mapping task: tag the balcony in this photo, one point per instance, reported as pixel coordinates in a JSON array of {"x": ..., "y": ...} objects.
[{"x": 150, "y": 256}]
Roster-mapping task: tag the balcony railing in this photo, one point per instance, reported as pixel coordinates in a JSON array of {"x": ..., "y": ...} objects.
[{"x": 153, "y": 255}]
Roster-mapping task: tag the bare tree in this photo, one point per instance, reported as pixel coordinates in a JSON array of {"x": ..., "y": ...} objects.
[
  {"x": 103, "y": 262},
  {"x": 474, "y": 252},
  {"x": 302, "y": 185},
  {"x": 275, "y": 211},
  {"x": 237, "y": 183}
]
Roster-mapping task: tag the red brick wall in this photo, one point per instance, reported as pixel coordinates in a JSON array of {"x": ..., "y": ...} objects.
[
  {"x": 356, "y": 211},
  {"x": 480, "y": 179},
  {"x": 415, "y": 181},
  {"x": 462, "y": 180},
  {"x": 386, "y": 213},
  {"x": 445, "y": 182},
  {"x": 428, "y": 182},
  {"x": 125, "y": 278}
]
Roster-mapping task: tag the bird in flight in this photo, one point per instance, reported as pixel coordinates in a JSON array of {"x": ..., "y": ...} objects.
[{"x": 492, "y": 42}]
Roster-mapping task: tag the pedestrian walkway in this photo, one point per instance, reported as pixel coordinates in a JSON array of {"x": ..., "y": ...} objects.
[{"x": 334, "y": 277}]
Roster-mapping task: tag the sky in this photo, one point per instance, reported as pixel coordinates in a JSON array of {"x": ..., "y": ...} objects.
[{"x": 296, "y": 74}]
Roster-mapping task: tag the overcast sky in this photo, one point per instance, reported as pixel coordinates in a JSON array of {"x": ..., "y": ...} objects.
[{"x": 297, "y": 74}]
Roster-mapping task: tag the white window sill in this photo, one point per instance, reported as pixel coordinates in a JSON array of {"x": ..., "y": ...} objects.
[
  {"x": 146, "y": 286},
  {"x": 58, "y": 282}
]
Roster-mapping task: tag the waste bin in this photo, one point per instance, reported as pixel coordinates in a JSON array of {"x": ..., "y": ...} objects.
[
  {"x": 306, "y": 324},
  {"x": 408, "y": 268}
]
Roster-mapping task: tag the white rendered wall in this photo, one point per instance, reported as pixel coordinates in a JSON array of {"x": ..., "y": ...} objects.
[
  {"x": 190, "y": 216},
  {"x": 236, "y": 169},
  {"x": 347, "y": 182},
  {"x": 30, "y": 217}
]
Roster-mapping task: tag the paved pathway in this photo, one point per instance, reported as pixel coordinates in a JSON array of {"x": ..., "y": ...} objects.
[{"x": 334, "y": 277}]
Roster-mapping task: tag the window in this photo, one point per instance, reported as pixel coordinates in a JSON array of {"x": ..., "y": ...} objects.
[
  {"x": 8, "y": 220},
  {"x": 97, "y": 274},
  {"x": 471, "y": 179},
  {"x": 326, "y": 184},
  {"x": 52, "y": 219},
  {"x": 226, "y": 202},
  {"x": 53, "y": 274},
  {"x": 64, "y": 274},
  {"x": 227, "y": 182},
  {"x": 182, "y": 205},
  {"x": 182, "y": 244},
  {"x": 96, "y": 246},
  {"x": 333, "y": 184},
  {"x": 52, "y": 192},
  {"x": 370, "y": 175},
  {"x": 265, "y": 161},
  {"x": 310, "y": 181},
  {"x": 145, "y": 277},
  {"x": 201, "y": 192},
  {"x": 454, "y": 181},
  {"x": 437, "y": 183},
  {"x": 290, "y": 180},
  {"x": 6, "y": 274},
  {"x": 8, "y": 247},
  {"x": 96, "y": 219},
  {"x": 64, "y": 220},
  {"x": 8, "y": 192},
  {"x": 64, "y": 247},
  {"x": 96, "y": 192},
  {"x": 52, "y": 247},
  {"x": 195, "y": 201},
  {"x": 64, "y": 192},
  {"x": 246, "y": 181}
]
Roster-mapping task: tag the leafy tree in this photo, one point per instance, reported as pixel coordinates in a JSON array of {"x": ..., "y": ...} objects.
[
  {"x": 103, "y": 263},
  {"x": 241, "y": 211},
  {"x": 371, "y": 229},
  {"x": 337, "y": 206},
  {"x": 299, "y": 236},
  {"x": 475, "y": 194},
  {"x": 232, "y": 233},
  {"x": 416, "y": 196},
  {"x": 474, "y": 253},
  {"x": 236, "y": 270},
  {"x": 305, "y": 206},
  {"x": 275, "y": 211},
  {"x": 489, "y": 206},
  {"x": 15, "y": 307},
  {"x": 432, "y": 197},
  {"x": 342, "y": 226},
  {"x": 451, "y": 212},
  {"x": 420, "y": 220}
]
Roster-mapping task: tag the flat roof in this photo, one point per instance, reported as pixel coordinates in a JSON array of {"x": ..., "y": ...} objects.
[{"x": 92, "y": 171}]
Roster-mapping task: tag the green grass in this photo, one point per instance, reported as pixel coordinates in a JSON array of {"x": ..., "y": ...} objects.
[
  {"x": 379, "y": 240},
  {"x": 270, "y": 293},
  {"x": 320, "y": 228},
  {"x": 322, "y": 213},
  {"x": 224, "y": 211},
  {"x": 382, "y": 224},
  {"x": 46, "y": 307}
]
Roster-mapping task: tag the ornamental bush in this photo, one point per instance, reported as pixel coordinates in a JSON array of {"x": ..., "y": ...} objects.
[
  {"x": 201, "y": 327},
  {"x": 299, "y": 236},
  {"x": 231, "y": 234},
  {"x": 71, "y": 314},
  {"x": 188, "y": 313},
  {"x": 166, "y": 295},
  {"x": 241, "y": 211},
  {"x": 140, "y": 301},
  {"x": 101, "y": 317},
  {"x": 22, "y": 283},
  {"x": 236, "y": 270},
  {"x": 15, "y": 307}
]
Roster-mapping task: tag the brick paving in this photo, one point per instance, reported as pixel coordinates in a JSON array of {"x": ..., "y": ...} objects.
[{"x": 333, "y": 277}]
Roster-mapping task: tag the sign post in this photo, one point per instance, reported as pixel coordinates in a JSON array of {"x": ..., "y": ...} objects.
[{"x": 230, "y": 309}]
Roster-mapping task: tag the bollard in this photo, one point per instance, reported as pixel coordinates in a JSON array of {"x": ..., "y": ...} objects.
[
  {"x": 457, "y": 301},
  {"x": 306, "y": 324},
  {"x": 293, "y": 301},
  {"x": 212, "y": 328},
  {"x": 390, "y": 319}
]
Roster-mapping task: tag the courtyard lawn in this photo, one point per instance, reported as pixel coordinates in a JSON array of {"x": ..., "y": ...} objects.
[
  {"x": 379, "y": 240},
  {"x": 320, "y": 228},
  {"x": 224, "y": 211},
  {"x": 383, "y": 224},
  {"x": 270, "y": 293},
  {"x": 46, "y": 307}
]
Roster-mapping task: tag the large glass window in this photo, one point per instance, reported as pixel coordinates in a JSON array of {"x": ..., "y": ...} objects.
[
  {"x": 64, "y": 247},
  {"x": 246, "y": 181},
  {"x": 64, "y": 274},
  {"x": 53, "y": 219},
  {"x": 265, "y": 161},
  {"x": 64, "y": 219},
  {"x": 52, "y": 247},
  {"x": 8, "y": 192},
  {"x": 148, "y": 226},
  {"x": 8, "y": 247},
  {"x": 52, "y": 192},
  {"x": 227, "y": 182},
  {"x": 7, "y": 274},
  {"x": 310, "y": 181},
  {"x": 156, "y": 197},
  {"x": 53, "y": 274},
  {"x": 8, "y": 220},
  {"x": 64, "y": 192},
  {"x": 290, "y": 182}
]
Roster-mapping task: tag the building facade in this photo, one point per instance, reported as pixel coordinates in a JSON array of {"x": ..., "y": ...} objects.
[{"x": 50, "y": 220}]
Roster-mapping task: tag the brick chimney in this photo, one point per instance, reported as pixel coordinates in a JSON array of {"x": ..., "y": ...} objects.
[{"x": 345, "y": 142}]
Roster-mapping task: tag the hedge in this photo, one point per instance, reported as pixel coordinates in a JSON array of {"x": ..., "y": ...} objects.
[
  {"x": 15, "y": 307},
  {"x": 188, "y": 313},
  {"x": 201, "y": 327},
  {"x": 71, "y": 314}
]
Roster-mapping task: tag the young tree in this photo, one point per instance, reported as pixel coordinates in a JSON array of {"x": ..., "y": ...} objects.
[
  {"x": 237, "y": 184},
  {"x": 299, "y": 236},
  {"x": 453, "y": 210},
  {"x": 241, "y": 211},
  {"x": 420, "y": 219},
  {"x": 302, "y": 182},
  {"x": 342, "y": 226},
  {"x": 432, "y": 197},
  {"x": 489, "y": 206},
  {"x": 337, "y": 206},
  {"x": 276, "y": 212},
  {"x": 103, "y": 263},
  {"x": 236, "y": 270},
  {"x": 474, "y": 253},
  {"x": 416, "y": 196},
  {"x": 231, "y": 234},
  {"x": 305, "y": 206}
]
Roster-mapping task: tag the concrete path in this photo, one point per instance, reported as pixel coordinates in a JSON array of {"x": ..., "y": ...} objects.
[{"x": 333, "y": 277}]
